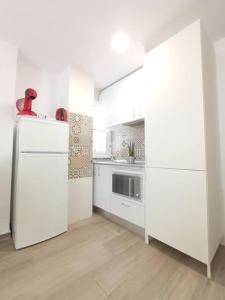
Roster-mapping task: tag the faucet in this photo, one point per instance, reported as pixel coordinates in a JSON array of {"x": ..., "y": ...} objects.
[{"x": 112, "y": 157}]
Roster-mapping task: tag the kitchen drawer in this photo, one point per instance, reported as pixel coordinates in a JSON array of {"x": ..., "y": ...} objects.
[{"x": 127, "y": 210}]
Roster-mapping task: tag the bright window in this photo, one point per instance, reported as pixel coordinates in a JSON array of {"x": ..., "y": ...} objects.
[
  {"x": 100, "y": 148},
  {"x": 99, "y": 141}
]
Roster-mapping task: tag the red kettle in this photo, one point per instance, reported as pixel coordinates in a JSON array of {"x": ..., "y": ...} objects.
[{"x": 61, "y": 115}]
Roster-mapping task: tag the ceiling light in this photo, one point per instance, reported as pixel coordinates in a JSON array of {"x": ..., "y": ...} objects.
[{"x": 120, "y": 42}]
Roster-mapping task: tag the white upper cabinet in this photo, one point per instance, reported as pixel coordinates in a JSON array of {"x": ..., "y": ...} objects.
[
  {"x": 174, "y": 100},
  {"x": 107, "y": 99},
  {"x": 124, "y": 100}
]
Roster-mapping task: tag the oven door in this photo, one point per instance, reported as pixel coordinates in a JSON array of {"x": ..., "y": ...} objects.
[{"x": 128, "y": 184}]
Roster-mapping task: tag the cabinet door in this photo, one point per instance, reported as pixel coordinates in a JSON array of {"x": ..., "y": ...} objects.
[
  {"x": 106, "y": 99},
  {"x": 102, "y": 186},
  {"x": 136, "y": 88},
  {"x": 131, "y": 97},
  {"x": 124, "y": 100},
  {"x": 124, "y": 105},
  {"x": 174, "y": 98},
  {"x": 176, "y": 210},
  {"x": 127, "y": 210}
]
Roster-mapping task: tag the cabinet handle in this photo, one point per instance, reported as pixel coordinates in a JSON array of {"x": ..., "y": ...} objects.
[
  {"x": 98, "y": 171},
  {"x": 130, "y": 187},
  {"x": 125, "y": 205},
  {"x": 133, "y": 112}
]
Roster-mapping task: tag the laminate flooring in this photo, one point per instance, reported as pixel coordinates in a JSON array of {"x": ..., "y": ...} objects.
[{"x": 97, "y": 259}]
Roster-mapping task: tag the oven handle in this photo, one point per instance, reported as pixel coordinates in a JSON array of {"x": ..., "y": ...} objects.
[{"x": 122, "y": 172}]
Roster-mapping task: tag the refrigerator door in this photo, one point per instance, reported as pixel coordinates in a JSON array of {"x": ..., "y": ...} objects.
[
  {"x": 40, "y": 198},
  {"x": 36, "y": 135}
]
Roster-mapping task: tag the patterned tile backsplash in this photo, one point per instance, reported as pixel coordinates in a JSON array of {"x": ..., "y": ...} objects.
[
  {"x": 80, "y": 146},
  {"x": 121, "y": 137}
]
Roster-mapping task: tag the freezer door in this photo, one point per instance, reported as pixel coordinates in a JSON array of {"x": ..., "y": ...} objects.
[
  {"x": 40, "y": 201},
  {"x": 42, "y": 135}
]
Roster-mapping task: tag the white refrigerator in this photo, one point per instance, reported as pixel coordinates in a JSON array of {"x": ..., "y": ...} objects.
[{"x": 40, "y": 180}]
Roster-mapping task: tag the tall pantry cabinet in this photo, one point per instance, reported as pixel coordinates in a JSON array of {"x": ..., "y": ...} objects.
[{"x": 183, "y": 191}]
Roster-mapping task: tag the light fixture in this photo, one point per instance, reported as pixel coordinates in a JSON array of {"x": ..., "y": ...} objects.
[{"x": 120, "y": 42}]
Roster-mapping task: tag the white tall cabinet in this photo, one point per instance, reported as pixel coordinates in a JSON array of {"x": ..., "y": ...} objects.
[{"x": 183, "y": 192}]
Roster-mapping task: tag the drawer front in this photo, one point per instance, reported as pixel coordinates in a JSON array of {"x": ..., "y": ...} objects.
[{"x": 127, "y": 210}]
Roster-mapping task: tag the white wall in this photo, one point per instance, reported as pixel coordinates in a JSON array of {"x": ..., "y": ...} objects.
[
  {"x": 74, "y": 91},
  {"x": 52, "y": 87},
  {"x": 212, "y": 139},
  {"x": 81, "y": 100},
  {"x": 220, "y": 64},
  {"x": 61, "y": 89},
  {"x": 8, "y": 61},
  {"x": 81, "y": 93}
]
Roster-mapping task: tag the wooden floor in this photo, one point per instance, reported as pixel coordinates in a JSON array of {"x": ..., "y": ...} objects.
[{"x": 98, "y": 260}]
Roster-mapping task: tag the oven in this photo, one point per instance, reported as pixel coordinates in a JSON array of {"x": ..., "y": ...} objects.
[{"x": 128, "y": 183}]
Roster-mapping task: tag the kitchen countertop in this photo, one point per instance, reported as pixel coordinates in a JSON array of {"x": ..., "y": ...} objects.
[{"x": 138, "y": 164}]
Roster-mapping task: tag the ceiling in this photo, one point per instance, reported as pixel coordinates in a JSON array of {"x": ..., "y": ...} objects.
[{"x": 55, "y": 33}]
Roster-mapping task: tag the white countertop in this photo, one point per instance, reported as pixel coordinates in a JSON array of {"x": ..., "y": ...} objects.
[{"x": 137, "y": 164}]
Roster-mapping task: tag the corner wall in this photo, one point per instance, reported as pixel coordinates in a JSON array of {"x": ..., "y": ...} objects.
[
  {"x": 8, "y": 61},
  {"x": 52, "y": 87},
  {"x": 81, "y": 101},
  {"x": 74, "y": 91},
  {"x": 220, "y": 70}
]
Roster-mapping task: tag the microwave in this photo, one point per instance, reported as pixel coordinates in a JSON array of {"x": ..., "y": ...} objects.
[{"x": 128, "y": 183}]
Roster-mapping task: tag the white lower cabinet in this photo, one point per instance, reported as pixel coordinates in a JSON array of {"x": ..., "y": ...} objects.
[
  {"x": 127, "y": 210},
  {"x": 120, "y": 206},
  {"x": 176, "y": 209},
  {"x": 102, "y": 186}
]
